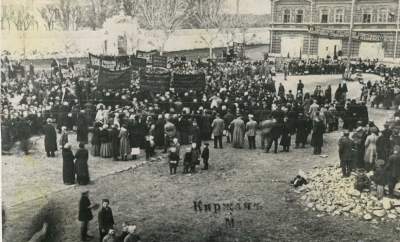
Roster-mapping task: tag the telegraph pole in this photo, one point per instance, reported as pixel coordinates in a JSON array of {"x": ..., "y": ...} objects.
[
  {"x": 350, "y": 41},
  {"x": 397, "y": 30}
]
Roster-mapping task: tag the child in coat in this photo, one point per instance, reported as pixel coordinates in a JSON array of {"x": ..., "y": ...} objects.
[
  {"x": 205, "y": 154},
  {"x": 187, "y": 161},
  {"x": 173, "y": 160}
]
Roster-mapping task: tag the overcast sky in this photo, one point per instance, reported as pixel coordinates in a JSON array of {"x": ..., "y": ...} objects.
[{"x": 249, "y": 6}]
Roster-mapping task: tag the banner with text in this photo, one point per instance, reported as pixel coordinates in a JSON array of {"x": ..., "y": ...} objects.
[
  {"x": 138, "y": 63},
  {"x": 159, "y": 61},
  {"x": 110, "y": 62},
  {"x": 183, "y": 82},
  {"x": 156, "y": 82},
  {"x": 114, "y": 79},
  {"x": 146, "y": 55}
]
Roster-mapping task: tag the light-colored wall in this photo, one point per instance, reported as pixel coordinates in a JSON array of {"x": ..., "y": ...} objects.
[{"x": 47, "y": 44}]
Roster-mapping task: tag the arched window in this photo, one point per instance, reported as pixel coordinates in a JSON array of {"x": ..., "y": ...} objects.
[
  {"x": 383, "y": 15},
  {"x": 339, "y": 15},
  {"x": 299, "y": 15},
  {"x": 286, "y": 16},
  {"x": 324, "y": 15}
]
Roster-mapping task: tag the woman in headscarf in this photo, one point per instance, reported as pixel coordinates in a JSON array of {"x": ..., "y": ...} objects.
[
  {"x": 68, "y": 165},
  {"x": 105, "y": 140},
  {"x": 370, "y": 149}
]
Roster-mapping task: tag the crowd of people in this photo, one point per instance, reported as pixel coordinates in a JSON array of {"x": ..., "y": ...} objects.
[
  {"x": 239, "y": 100},
  {"x": 374, "y": 150}
]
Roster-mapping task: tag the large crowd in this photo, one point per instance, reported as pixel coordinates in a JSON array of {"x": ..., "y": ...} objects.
[{"x": 239, "y": 100}]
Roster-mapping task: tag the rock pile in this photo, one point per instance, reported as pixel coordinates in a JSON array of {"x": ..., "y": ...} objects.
[{"x": 328, "y": 192}]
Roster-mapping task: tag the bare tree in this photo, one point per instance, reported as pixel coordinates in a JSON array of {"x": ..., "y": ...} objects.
[
  {"x": 22, "y": 19},
  {"x": 65, "y": 13},
  {"x": 164, "y": 15},
  {"x": 76, "y": 17},
  {"x": 97, "y": 12},
  {"x": 131, "y": 7},
  {"x": 6, "y": 16},
  {"x": 242, "y": 23},
  {"x": 49, "y": 13},
  {"x": 209, "y": 16}
]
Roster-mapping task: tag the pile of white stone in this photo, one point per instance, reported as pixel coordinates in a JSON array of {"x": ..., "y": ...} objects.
[{"x": 328, "y": 192}]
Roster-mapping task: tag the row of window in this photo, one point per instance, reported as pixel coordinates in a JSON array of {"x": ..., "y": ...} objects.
[{"x": 383, "y": 16}]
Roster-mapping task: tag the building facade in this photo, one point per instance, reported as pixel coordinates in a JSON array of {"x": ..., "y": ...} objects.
[{"x": 318, "y": 28}]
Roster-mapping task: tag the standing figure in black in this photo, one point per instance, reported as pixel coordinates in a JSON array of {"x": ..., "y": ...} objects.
[
  {"x": 85, "y": 215},
  {"x": 205, "y": 154},
  {"x": 50, "y": 139},
  {"x": 317, "y": 138},
  {"x": 81, "y": 165},
  {"x": 105, "y": 219}
]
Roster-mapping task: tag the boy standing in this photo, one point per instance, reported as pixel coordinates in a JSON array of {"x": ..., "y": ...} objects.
[{"x": 205, "y": 154}]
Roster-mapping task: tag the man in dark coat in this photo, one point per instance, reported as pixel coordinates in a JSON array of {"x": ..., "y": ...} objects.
[
  {"x": 81, "y": 165},
  {"x": 115, "y": 142},
  {"x": 23, "y": 134},
  {"x": 105, "y": 219},
  {"x": 159, "y": 131},
  {"x": 50, "y": 139},
  {"x": 218, "y": 126},
  {"x": 85, "y": 215},
  {"x": 205, "y": 127},
  {"x": 300, "y": 87},
  {"x": 301, "y": 131},
  {"x": 317, "y": 139},
  {"x": 83, "y": 128},
  {"x": 359, "y": 137},
  {"x": 68, "y": 165},
  {"x": 346, "y": 153},
  {"x": 383, "y": 147},
  {"x": 196, "y": 134},
  {"x": 276, "y": 132},
  {"x": 393, "y": 169}
]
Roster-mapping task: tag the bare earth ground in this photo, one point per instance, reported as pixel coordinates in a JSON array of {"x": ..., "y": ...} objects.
[{"x": 162, "y": 205}]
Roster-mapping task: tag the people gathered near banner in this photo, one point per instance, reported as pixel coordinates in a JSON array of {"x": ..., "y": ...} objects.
[{"x": 239, "y": 100}]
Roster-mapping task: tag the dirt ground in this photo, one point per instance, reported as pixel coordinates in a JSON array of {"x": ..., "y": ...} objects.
[{"x": 162, "y": 205}]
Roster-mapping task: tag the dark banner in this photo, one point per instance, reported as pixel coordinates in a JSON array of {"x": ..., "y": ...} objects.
[
  {"x": 114, "y": 79},
  {"x": 146, "y": 55},
  {"x": 159, "y": 61},
  {"x": 185, "y": 82},
  {"x": 156, "y": 82},
  {"x": 138, "y": 63},
  {"x": 110, "y": 62}
]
